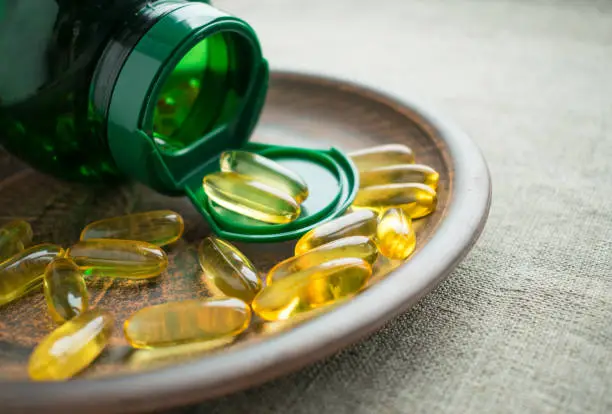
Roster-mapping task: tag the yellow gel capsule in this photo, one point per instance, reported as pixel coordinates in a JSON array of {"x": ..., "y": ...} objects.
[
  {"x": 15, "y": 236},
  {"x": 382, "y": 155},
  {"x": 361, "y": 247},
  {"x": 228, "y": 270},
  {"x": 395, "y": 235},
  {"x": 313, "y": 288},
  {"x": 160, "y": 227},
  {"x": 357, "y": 223},
  {"x": 125, "y": 259},
  {"x": 265, "y": 171},
  {"x": 400, "y": 174},
  {"x": 247, "y": 196},
  {"x": 72, "y": 347},
  {"x": 417, "y": 200},
  {"x": 189, "y": 321},
  {"x": 24, "y": 272},
  {"x": 65, "y": 290}
]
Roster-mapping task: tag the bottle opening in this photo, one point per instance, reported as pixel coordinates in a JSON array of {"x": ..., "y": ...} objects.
[{"x": 204, "y": 91}]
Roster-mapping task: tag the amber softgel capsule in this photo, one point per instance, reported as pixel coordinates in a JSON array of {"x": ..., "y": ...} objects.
[
  {"x": 161, "y": 227},
  {"x": 251, "y": 198},
  {"x": 72, "y": 347},
  {"x": 417, "y": 200},
  {"x": 189, "y": 321},
  {"x": 313, "y": 288},
  {"x": 382, "y": 155},
  {"x": 15, "y": 236},
  {"x": 24, "y": 272},
  {"x": 400, "y": 174},
  {"x": 357, "y": 223},
  {"x": 228, "y": 270},
  {"x": 265, "y": 170},
  {"x": 125, "y": 259},
  {"x": 65, "y": 290},
  {"x": 395, "y": 235},
  {"x": 361, "y": 247}
]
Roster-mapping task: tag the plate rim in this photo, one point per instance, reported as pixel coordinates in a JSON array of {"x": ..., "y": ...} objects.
[{"x": 237, "y": 369}]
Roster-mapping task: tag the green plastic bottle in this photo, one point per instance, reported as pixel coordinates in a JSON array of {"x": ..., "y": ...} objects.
[
  {"x": 155, "y": 91},
  {"x": 66, "y": 63}
]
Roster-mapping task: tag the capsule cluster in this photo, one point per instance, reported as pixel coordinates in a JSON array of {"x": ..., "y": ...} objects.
[
  {"x": 389, "y": 178},
  {"x": 331, "y": 263},
  {"x": 256, "y": 187},
  {"x": 128, "y": 247},
  {"x": 399, "y": 191}
]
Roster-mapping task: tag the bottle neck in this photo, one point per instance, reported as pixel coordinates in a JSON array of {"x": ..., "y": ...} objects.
[
  {"x": 176, "y": 86},
  {"x": 145, "y": 15}
]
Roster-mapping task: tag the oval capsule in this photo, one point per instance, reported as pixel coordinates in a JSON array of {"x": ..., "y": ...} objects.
[
  {"x": 24, "y": 272},
  {"x": 361, "y": 247},
  {"x": 249, "y": 197},
  {"x": 395, "y": 235},
  {"x": 189, "y": 321},
  {"x": 125, "y": 259},
  {"x": 313, "y": 288},
  {"x": 228, "y": 270},
  {"x": 417, "y": 200},
  {"x": 65, "y": 290},
  {"x": 266, "y": 171},
  {"x": 72, "y": 347},
  {"x": 357, "y": 223},
  {"x": 400, "y": 174},
  {"x": 15, "y": 236},
  {"x": 161, "y": 227},
  {"x": 381, "y": 155}
]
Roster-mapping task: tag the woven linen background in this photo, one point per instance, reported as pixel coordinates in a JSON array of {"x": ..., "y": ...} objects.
[{"x": 524, "y": 325}]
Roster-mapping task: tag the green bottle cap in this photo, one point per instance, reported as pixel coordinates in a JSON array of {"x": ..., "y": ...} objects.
[
  {"x": 332, "y": 180},
  {"x": 194, "y": 86}
]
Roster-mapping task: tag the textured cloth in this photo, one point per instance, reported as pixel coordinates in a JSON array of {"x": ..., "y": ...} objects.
[{"x": 524, "y": 323}]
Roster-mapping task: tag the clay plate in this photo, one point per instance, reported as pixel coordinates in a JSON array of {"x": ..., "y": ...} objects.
[{"x": 301, "y": 110}]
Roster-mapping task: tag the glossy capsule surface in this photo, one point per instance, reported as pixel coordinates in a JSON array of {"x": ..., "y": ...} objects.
[
  {"x": 159, "y": 227},
  {"x": 395, "y": 235},
  {"x": 228, "y": 270},
  {"x": 381, "y": 155},
  {"x": 417, "y": 200},
  {"x": 72, "y": 347},
  {"x": 361, "y": 247},
  {"x": 189, "y": 321},
  {"x": 312, "y": 288},
  {"x": 15, "y": 236},
  {"x": 118, "y": 258},
  {"x": 267, "y": 171},
  {"x": 400, "y": 174},
  {"x": 24, "y": 272},
  {"x": 65, "y": 290},
  {"x": 247, "y": 196},
  {"x": 357, "y": 223}
]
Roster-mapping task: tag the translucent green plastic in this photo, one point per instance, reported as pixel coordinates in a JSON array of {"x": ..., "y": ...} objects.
[
  {"x": 50, "y": 114},
  {"x": 198, "y": 95}
]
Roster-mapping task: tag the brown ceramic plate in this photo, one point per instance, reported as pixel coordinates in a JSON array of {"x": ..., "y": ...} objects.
[{"x": 301, "y": 110}]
